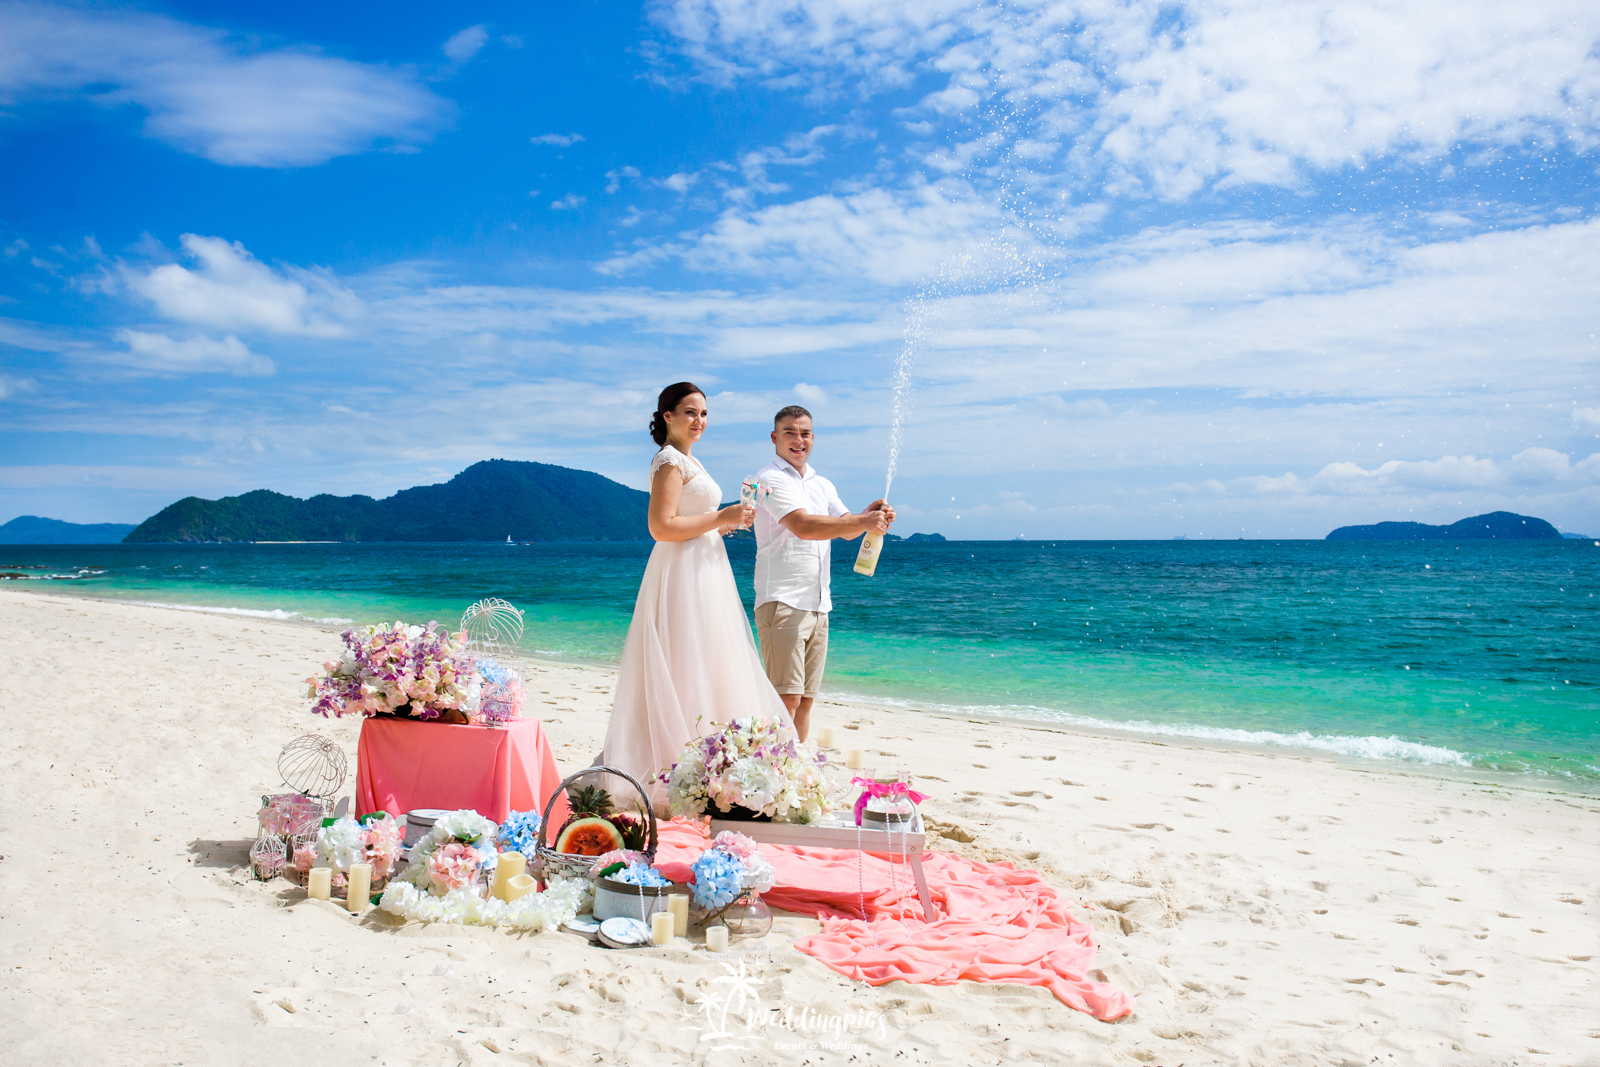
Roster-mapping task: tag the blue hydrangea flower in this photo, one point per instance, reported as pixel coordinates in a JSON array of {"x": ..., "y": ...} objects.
[
  {"x": 718, "y": 878},
  {"x": 519, "y": 832},
  {"x": 640, "y": 874}
]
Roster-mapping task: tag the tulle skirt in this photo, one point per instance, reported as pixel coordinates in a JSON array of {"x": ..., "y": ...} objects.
[{"x": 689, "y": 664}]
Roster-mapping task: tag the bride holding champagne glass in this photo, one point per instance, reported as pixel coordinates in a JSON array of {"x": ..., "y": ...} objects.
[{"x": 689, "y": 661}]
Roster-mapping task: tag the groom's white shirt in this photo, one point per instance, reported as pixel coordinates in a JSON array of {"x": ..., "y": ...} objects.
[{"x": 790, "y": 569}]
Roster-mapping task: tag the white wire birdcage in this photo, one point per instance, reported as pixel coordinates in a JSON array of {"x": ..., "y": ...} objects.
[
  {"x": 268, "y": 856},
  {"x": 313, "y": 766},
  {"x": 493, "y": 626}
]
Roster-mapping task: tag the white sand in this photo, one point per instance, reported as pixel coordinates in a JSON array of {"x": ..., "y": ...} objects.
[{"x": 1266, "y": 909}]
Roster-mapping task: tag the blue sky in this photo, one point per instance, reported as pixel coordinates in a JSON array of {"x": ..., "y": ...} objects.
[{"x": 1213, "y": 269}]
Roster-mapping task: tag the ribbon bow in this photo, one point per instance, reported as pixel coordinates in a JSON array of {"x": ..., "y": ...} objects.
[{"x": 873, "y": 788}]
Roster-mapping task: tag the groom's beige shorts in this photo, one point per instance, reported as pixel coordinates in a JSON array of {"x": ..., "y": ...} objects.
[{"x": 794, "y": 647}]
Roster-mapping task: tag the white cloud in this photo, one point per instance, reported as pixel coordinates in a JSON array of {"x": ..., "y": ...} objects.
[
  {"x": 570, "y": 202},
  {"x": 811, "y": 394},
  {"x": 464, "y": 44},
  {"x": 614, "y": 177},
  {"x": 157, "y": 353},
  {"x": 1586, "y": 418},
  {"x": 680, "y": 182},
  {"x": 205, "y": 94},
  {"x": 32, "y": 337},
  {"x": 13, "y": 386},
  {"x": 1151, "y": 96},
  {"x": 231, "y": 289},
  {"x": 559, "y": 140},
  {"x": 1530, "y": 469},
  {"x": 892, "y": 238}
]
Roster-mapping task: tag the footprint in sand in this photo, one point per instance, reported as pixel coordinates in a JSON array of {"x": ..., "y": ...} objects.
[{"x": 1152, "y": 826}]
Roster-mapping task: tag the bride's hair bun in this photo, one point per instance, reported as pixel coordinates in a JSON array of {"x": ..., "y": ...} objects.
[{"x": 669, "y": 399}]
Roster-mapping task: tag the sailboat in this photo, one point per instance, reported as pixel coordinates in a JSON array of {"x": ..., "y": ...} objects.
[{"x": 508, "y": 540}]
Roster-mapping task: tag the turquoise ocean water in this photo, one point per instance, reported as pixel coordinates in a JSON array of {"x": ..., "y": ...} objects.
[{"x": 1472, "y": 655}]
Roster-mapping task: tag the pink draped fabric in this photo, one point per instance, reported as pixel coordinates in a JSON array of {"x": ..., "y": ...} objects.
[
  {"x": 996, "y": 923},
  {"x": 403, "y": 765}
]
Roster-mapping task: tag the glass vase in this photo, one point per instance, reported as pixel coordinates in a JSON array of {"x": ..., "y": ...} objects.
[{"x": 748, "y": 916}]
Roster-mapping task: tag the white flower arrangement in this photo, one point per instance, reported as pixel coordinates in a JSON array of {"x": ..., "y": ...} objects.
[
  {"x": 560, "y": 901},
  {"x": 460, "y": 846},
  {"x": 751, "y": 763},
  {"x": 341, "y": 845}
]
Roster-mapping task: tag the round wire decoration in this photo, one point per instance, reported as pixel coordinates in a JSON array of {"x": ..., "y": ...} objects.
[
  {"x": 493, "y": 626},
  {"x": 268, "y": 856},
  {"x": 313, "y": 765}
]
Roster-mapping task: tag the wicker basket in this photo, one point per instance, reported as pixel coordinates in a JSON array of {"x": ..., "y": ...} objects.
[{"x": 551, "y": 863}]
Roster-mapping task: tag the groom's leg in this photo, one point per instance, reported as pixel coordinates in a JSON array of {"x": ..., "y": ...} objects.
[
  {"x": 800, "y": 711},
  {"x": 816, "y": 657}
]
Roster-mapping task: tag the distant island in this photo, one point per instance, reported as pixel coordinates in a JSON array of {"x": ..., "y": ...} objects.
[
  {"x": 1495, "y": 526},
  {"x": 33, "y": 530},
  {"x": 489, "y": 501}
]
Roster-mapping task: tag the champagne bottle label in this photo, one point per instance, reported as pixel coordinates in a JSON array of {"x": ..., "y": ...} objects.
[{"x": 867, "y": 558}]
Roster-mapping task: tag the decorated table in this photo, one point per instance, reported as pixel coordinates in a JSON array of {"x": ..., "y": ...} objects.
[
  {"x": 842, "y": 833},
  {"x": 406, "y": 764}
]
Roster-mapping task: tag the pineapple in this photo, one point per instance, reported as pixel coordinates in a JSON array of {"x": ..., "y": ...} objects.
[
  {"x": 632, "y": 829},
  {"x": 588, "y": 802}
]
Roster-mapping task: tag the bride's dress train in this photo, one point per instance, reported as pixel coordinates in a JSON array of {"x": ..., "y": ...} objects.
[{"x": 690, "y": 661}]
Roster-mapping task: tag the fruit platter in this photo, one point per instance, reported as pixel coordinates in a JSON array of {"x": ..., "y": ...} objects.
[{"x": 598, "y": 823}]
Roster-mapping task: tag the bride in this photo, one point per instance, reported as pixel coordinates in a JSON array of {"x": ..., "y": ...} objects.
[{"x": 689, "y": 660}]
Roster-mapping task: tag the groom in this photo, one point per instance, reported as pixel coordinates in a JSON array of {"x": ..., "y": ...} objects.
[{"x": 800, "y": 515}]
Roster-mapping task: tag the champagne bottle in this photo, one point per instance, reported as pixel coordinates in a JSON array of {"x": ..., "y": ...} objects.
[{"x": 871, "y": 549}]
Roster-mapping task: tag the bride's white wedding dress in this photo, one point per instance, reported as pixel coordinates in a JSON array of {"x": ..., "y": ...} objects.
[{"x": 690, "y": 661}]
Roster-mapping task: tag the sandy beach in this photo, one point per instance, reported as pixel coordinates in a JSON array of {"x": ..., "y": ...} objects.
[{"x": 1265, "y": 908}]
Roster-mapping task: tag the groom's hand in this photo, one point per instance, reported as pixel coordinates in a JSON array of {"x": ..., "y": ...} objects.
[{"x": 883, "y": 506}]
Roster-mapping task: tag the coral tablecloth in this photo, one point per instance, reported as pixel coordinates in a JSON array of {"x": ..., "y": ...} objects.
[
  {"x": 996, "y": 924},
  {"x": 402, "y": 765}
]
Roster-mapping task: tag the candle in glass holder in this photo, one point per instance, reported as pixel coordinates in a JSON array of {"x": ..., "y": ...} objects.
[
  {"x": 825, "y": 736},
  {"x": 359, "y": 894},
  {"x": 852, "y": 758},
  {"x": 716, "y": 939},
  {"x": 661, "y": 926},
  {"x": 319, "y": 886},
  {"x": 511, "y": 864},
  {"x": 520, "y": 886},
  {"x": 678, "y": 905}
]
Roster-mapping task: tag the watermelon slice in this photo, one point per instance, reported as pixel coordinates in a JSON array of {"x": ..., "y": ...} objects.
[{"x": 589, "y": 837}]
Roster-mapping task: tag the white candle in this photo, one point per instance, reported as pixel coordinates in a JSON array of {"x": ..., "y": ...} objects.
[
  {"x": 320, "y": 885},
  {"x": 520, "y": 886},
  {"x": 852, "y": 758},
  {"x": 358, "y": 896},
  {"x": 825, "y": 736},
  {"x": 511, "y": 864},
  {"x": 716, "y": 939},
  {"x": 661, "y": 926},
  {"x": 678, "y": 905}
]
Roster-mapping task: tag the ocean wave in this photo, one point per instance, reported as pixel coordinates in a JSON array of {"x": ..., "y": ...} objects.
[
  {"x": 252, "y": 613},
  {"x": 83, "y": 572},
  {"x": 1370, "y": 747}
]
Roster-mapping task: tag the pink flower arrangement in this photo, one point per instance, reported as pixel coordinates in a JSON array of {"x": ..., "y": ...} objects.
[
  {"x": 738, "y": 846},
  {"x": 386, "y": 667},
  {"x": 453, "y": 866},
  {"x": 383, "y": 838},
  {"x": 290, "y": 814}
]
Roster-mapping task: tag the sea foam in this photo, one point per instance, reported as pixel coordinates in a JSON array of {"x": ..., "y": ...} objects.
[
  {"x": 1377, "y": 748},
  {"x": 253, "y": 613}
]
